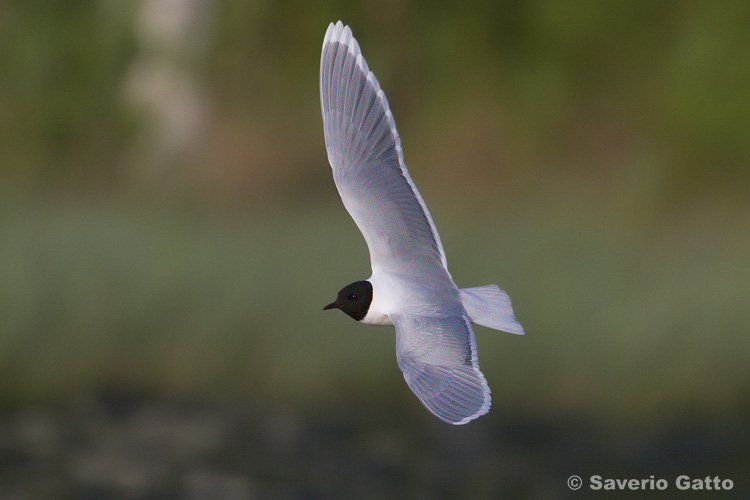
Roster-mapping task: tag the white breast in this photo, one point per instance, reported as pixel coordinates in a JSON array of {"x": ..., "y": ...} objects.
[{"x": 374, "y": 317}]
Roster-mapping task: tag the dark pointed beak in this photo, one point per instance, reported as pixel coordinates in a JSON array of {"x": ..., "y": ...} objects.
[{"x": 332, "y": 305}]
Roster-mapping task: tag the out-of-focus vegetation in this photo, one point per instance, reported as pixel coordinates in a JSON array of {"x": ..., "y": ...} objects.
[
  {"x": 647, "y": 97},
  {"x": 170, "y": 226}
]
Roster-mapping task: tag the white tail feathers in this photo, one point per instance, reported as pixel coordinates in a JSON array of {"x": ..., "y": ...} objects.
[{"x": 489, "y": 306}]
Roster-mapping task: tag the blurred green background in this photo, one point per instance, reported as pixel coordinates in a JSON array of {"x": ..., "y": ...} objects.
[{"x": 170, "y": 227}]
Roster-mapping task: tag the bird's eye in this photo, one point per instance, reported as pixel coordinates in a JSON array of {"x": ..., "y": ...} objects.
[{"x": 353, "y": 296}]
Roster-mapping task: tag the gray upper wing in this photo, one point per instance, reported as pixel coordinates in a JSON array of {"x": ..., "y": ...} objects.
[
  {"x": 438, "y": 356},
  {"x": 364, "y": 150}
]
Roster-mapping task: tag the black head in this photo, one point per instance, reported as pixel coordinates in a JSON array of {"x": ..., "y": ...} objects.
[{"x": 354, "y": 299}]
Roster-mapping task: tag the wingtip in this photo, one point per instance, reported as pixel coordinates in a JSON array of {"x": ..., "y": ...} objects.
[
  {"x": 338, "y": 28},
  {"x": 346, "y": 36},
  {"x": 484, "y": 410},
  {"x": 329, "y": 33},
  {"x": 332, "y": 33},
  {"x": 341, "y": 33},
  {"x": 472, "y": 417}
]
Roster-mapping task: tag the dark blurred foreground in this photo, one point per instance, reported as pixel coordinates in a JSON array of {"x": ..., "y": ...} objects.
[{"x": 119, "y": 445}]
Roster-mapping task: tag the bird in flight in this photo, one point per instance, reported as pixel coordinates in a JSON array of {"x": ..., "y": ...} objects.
[{"x": 410, "y": 287}]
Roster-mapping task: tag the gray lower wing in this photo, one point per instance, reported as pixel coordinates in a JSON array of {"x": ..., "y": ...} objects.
[
  {"x": 364, "y": 150},
  {"x": 438, "y": 356}
]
